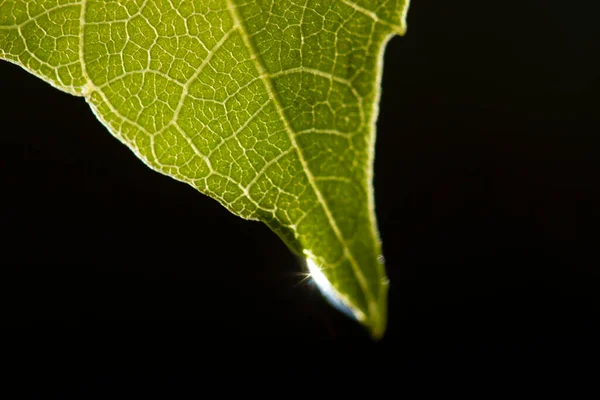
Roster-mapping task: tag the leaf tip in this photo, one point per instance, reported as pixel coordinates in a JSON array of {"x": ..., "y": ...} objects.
[{"x": 377, "y": 318}]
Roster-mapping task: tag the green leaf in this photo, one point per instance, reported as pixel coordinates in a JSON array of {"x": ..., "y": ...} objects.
[{"x": 268, "y": 106}]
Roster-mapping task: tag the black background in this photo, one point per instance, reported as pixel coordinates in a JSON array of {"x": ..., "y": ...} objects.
[{"x": 487, "y": 189}]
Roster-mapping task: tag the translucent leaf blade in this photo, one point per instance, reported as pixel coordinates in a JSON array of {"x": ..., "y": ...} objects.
[{"x": 267, "y": 106}]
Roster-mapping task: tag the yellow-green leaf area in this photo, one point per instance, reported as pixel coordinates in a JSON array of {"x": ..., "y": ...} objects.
[{"x": 267, "y": 106}]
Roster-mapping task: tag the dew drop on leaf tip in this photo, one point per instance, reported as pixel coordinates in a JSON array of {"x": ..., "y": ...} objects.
[{"x": 329, "y": 292}]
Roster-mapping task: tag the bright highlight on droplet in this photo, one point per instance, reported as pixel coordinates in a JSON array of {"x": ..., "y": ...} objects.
[{"x": 330, "y": 293}]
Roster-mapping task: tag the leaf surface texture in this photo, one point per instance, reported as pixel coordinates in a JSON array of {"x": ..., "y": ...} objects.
[{"x": 269, "y": 107}]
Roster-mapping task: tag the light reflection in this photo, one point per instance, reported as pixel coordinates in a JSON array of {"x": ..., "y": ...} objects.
[{"x": 329, "y": 292}]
